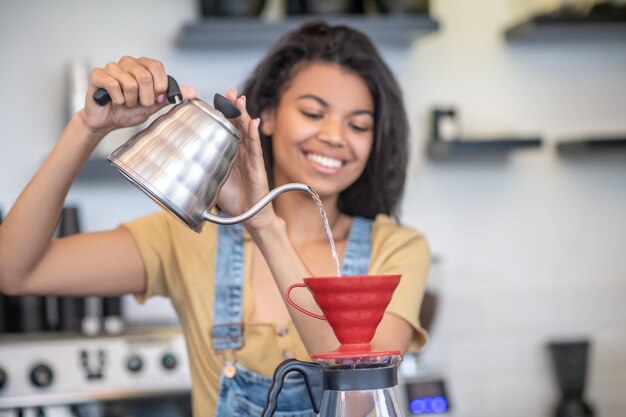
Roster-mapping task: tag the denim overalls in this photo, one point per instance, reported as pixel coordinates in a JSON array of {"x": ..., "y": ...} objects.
[{"x": 242, "y": 392}]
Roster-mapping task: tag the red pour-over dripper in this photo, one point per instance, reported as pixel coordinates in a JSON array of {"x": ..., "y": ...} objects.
[{"x": 353, "y": 306}]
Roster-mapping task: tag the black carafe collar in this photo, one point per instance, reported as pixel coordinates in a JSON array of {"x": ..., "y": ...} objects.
[{"x": 360, "y": 379}]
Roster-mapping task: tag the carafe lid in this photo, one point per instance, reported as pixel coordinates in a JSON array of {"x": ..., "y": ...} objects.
[
  {"x": 359, "y": 353},
  {"x": 363, "y": 373}
]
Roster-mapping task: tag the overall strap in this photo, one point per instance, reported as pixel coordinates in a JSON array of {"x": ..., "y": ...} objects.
[
  {"x": 228, "y": 303},
  {"x": 356, "y": 258}
]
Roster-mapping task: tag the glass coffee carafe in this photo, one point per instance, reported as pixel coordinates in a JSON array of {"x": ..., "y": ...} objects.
[{"x": 346, "y": 387}]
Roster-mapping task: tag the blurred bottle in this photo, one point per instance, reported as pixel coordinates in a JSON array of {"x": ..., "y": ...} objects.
[
  {"x": 231, "y": 8},
  {"x": 112, "y": 315},
  {"x": 402, "y": 6},
  {"x": 569, "y": 360},
  {"x": 297, "y": 7},
  {"x": 323, "y": 7},
  {"x": 71, "y": 310},
  {"x": 26, "y": 314}
]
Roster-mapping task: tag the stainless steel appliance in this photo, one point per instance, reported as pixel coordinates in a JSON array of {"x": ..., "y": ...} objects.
[{"x": 92, "y": 376}]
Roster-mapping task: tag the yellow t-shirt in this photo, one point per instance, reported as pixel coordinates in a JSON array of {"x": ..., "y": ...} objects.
[{"x": 180, "y": 264}]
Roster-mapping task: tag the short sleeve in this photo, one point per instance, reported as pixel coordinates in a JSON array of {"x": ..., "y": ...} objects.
[
  {"x": 402, "y": 250},
  {"x": 151, "y": 234}
]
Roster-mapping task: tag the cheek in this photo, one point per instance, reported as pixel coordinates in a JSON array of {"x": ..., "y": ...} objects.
[
  {"x": 293, "y": 133},
  {"x": 363, "y": 148}
]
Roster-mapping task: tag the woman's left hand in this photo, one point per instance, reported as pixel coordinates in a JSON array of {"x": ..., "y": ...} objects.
[{"x": 247, "y": 182}]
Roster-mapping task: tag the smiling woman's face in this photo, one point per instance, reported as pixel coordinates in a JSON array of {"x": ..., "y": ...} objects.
[{"x": 322, "y": 130}]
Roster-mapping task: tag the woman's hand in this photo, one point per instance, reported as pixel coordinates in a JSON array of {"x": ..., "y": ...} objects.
[
  {"x": 247, "y": 182},
  {"x": 137, "y": 88}
]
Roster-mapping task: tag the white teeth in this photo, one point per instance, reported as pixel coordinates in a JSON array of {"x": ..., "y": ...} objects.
[{"x": 324, "y": 160}]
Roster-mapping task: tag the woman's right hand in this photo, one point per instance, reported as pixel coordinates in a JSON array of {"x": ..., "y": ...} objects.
[{"x": 137, "y": 88}]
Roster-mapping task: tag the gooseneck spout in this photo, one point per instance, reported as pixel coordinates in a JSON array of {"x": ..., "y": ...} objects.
[{"x": 258, "y": 206}]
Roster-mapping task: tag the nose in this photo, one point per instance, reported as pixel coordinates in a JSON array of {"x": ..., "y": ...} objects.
[{"x": 331, "y": 133}]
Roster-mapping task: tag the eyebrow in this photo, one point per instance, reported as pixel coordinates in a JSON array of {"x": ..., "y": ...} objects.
[{"x": 325, "y": 104}]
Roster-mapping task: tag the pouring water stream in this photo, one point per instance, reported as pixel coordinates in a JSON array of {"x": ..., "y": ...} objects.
[{"x": 318, "y": 201}]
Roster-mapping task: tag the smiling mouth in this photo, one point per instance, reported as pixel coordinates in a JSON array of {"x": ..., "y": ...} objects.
[{"x": 325, "y": 161}]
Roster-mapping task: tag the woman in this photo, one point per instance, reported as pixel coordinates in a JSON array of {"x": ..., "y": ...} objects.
[{"x": 328, "y": 113}]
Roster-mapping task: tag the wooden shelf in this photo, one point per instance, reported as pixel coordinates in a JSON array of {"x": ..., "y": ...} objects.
[
  {"x": 466, "y": 149},
  {"x": 253, "y": 33},
  {"x": 592, "y": 145},
  {"x": 601, "y": 23}
]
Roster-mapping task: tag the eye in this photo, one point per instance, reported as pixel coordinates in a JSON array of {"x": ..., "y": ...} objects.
[
  {"x": 311, "y": 115},
  {"x": 360, "y": 128}
]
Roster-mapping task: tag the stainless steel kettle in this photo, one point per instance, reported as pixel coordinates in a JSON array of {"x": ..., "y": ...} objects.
[{"x": 182, "y": 159}]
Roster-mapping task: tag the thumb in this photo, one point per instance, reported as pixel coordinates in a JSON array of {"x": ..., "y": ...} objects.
[{"x": 188, "y": 92}]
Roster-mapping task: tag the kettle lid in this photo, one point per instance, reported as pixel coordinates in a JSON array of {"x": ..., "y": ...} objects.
[{"x": 217, "y": 116}]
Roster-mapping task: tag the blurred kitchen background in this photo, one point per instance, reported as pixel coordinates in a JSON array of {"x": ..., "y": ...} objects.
[{"x": 517, "y": 177}]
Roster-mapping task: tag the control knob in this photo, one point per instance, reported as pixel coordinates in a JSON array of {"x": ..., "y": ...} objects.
[
  {"x": 41, "y": 375},
  {"x": 169, "y": 361},
  {"x": 134, "y": 363}
]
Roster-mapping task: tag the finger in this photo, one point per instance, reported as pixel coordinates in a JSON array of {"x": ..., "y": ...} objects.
[
  {"x": 159, "y": 76},
  {"x": 102, "y": 79},
  {"x": 127, "y": 82},
  {"x": 242, "y": 122},
  {"x": 188, "y": 92},
  {"x": 231, "y": 95},
  {"x": 250, "y": 146},
  {"x": 127, "y": 85},
  {"x": 254, "y": 139},
  {"x": 240, "y": 103},
  {"x": 143, "y": 79}
]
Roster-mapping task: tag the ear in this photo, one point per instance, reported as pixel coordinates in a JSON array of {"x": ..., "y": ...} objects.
[{"x": 267, "y": 122}]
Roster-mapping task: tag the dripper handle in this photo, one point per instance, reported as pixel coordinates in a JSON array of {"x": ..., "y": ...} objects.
[
  {"x": 297, "y": 307},
  {"x": 257, "y": 207},
  {"x": 102, "y": 97},
  {"x": 313, "y": 377}
]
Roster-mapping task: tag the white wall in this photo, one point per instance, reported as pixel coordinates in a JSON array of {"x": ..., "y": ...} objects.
[{"x": 532, "y": 249}]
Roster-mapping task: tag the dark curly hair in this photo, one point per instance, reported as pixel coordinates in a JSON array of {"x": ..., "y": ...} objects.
[{"x": 380, "y": 186}]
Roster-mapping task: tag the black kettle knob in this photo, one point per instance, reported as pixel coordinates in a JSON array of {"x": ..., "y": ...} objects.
[
  {"x": 224, "y": 106},
  {"x": 173, "y": 94}
]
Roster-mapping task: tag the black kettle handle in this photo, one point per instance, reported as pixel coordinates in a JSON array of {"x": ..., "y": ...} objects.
[
  {"x": 224, "y": 106},
  {"x": 313, "y": 378},
  {"x": 102, "y": 97}
]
